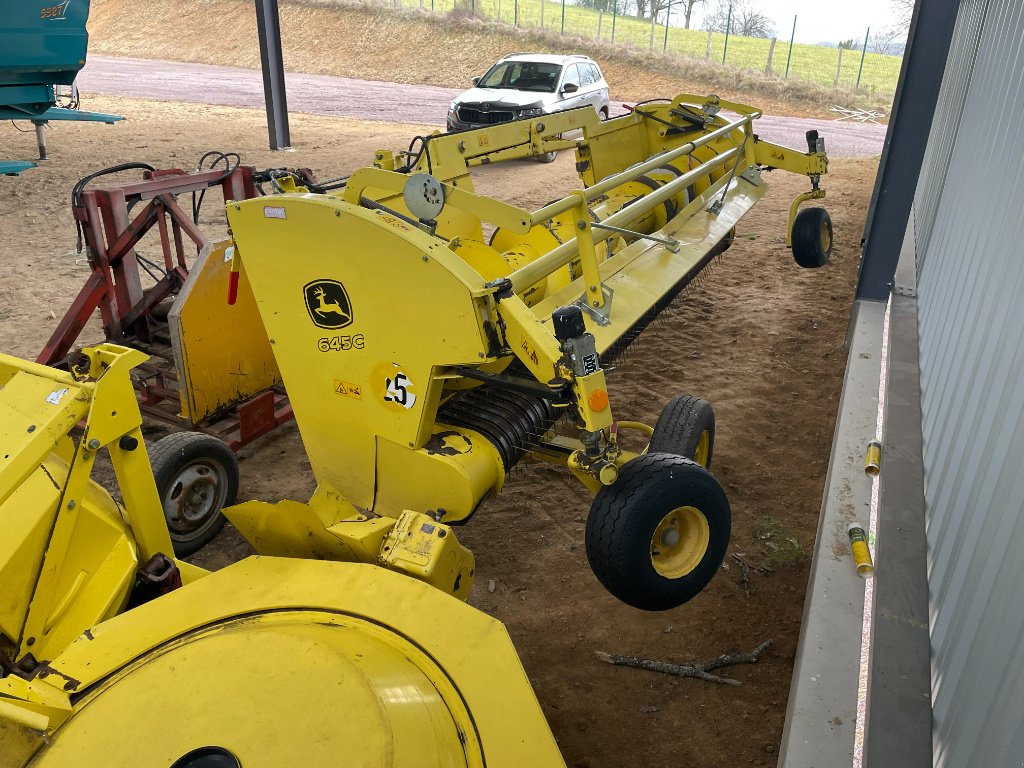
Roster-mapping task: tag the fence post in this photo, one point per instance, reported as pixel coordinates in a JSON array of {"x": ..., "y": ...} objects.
[
  {"x": 542, "y": 4},
  {"x": 789, "y": 56},
  {"x": 421, "y": 5},
  {"x": 839, "y": 67},
  {"x": 707, "y": 50},
  {"x": 863, "y": 52},
  {"x": 668, "y": 18},
  {"x": 517, "y": 13},
  {"x": 615, "y": 8},
  {"x": 600, "y": 20},
  {"x": 728, "y": 24},
  {"x": 771, "y": 52},
  {"x": 654, "y": 18},
  {"x": 563, "y": 18},
  {"x": 499, "y": 10}
]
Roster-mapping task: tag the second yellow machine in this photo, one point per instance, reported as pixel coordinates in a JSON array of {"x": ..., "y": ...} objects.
[{"x": 423, "y": 359}]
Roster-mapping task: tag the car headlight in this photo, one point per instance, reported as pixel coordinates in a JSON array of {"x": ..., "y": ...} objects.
[
  {"x": 453, "y": 106},
  {"x": 531, "y": 113}
]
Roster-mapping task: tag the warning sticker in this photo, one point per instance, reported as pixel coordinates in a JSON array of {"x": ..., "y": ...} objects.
[
  {"x": 56, "y": 396},
  {"x": 348, "y": 389},
  {"x": 274, "y": 212}
]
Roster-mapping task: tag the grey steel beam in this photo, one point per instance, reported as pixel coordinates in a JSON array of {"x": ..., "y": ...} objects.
[
  {"x": 898, "y": 728},
  {"x": 821, "y": 717},
  {"x": 268, "y": 24},
  {"x": 917, "y": 92}
]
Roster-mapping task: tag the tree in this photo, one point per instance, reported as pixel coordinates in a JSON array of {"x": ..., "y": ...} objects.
[
  {"x": 688, "y": 10},
  {"x": 890, "y": 41},
  {"x": 849, "y": 45},
  {"x": 745, "y": 20},
  {"x": 904, "y": 10}
]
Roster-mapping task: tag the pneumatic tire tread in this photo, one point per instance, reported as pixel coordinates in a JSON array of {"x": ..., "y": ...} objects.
[
  {"x": 169, "y": 455},
  {"x": 808, "y": 250},
  {"x": 623, "y": 519},
  {"x": 680, "y": 425}
]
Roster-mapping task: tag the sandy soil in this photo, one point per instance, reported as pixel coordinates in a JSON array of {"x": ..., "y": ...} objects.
[{"x": 760, "y": 338}]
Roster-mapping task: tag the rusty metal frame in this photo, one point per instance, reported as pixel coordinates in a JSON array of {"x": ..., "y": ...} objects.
[{"x": 112, "y": 225}]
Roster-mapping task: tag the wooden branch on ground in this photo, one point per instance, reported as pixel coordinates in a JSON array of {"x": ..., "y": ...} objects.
[
  {"x": 740, "y": 558},
  {"x": 700, "y": 671}
]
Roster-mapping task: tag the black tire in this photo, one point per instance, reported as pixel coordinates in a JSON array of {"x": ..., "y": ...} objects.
[
  {"x": 686, "y": 428},
  {"x": 546, "y": 157},
  {"x": 196, "y": 477},
  {"x": 602, "y": 113},
  {"x": 656, "y": 493},
  {"x": 812, "y": 238}
]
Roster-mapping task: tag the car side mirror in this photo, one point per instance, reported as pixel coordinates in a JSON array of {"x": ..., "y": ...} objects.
[
  {"x": 570, "y": 88},
  {"x": 476, "y": 80}
]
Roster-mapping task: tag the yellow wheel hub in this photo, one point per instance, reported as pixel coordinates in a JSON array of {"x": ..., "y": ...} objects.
[
  {"x": 826, "y": 237},
  {"x": 680, "y": 542},
  {"x": 701, "y": 455}
]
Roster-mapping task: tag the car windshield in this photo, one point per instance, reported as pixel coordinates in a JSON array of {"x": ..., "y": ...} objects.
[{"x": 522, "y": 76}]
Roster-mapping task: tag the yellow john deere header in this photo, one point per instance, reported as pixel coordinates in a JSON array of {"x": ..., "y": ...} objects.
[{"x": 423, "y": 359}]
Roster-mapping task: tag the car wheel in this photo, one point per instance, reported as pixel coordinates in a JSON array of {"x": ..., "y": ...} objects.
[
  {"x": 196, "y": 477},
  {"x": 603, "y": 113}
]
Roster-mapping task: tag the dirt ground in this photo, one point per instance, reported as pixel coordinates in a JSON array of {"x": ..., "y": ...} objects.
[{"x": 760, "y": 338}]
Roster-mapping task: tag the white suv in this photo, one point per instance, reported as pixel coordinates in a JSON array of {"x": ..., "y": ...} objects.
[{"x": 529, "y": 85}]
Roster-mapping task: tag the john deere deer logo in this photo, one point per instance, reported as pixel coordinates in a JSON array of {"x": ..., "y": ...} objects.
[{"x": 328, "y": 304}]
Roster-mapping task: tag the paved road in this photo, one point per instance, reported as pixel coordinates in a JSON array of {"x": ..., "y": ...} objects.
[{"x": 373, "y": 100}]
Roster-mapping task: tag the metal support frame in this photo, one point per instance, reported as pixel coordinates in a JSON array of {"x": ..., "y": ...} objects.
[
  {"x": 268, "y": 24},
  {"x": 110, "y": 236},
  {"x": 113, "y": 221},
  {"x": 931, "y": 31}
]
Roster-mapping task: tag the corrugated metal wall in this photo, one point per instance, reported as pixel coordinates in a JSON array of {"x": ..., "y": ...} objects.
[{"x": 970, "y": 238}]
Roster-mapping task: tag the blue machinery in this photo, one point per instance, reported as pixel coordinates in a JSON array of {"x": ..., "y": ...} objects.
[{"x": 42, "y": 46}]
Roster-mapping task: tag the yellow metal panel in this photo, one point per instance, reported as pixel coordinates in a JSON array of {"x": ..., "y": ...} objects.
[
  {"x": 301, "y": 688},
  {"x": 35, "y": 412},
  {"x": 614, "y": 145},
  {"x": 288, "y": 529},
  {"x": 366, "y": 326},
  {"x": 363, "y": 535},
  {"x": 221, "y": 352},
  {"x": 93, "y": 578},
  {"x": 429, "y": 551},
  {"x": 26, "y": 518},
  {"x": 453, "y": 472},
  {"x": 271, "y": 681}
]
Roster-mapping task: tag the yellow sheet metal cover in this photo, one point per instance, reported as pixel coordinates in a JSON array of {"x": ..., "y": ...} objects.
[
  {"x": 282, "y": 662},
  {"x": 297, "y": 688}
]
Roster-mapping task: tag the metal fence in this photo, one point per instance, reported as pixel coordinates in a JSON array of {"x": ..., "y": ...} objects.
[{"x": 859, "y": 68}]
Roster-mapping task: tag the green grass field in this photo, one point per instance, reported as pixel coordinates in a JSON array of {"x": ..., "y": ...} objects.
[{"x": 807, "y": 62}]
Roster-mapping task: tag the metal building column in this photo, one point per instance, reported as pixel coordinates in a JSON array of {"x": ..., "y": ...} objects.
[
  {"x": 924, "y": 63},
  {"x": 268, "y": 24}
]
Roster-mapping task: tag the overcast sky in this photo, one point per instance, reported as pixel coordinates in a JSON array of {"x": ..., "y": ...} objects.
[{"x": 817, "y": 21}]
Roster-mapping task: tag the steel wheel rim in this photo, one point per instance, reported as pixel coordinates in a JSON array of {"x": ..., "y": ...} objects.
[
  {"x": 680, "y": 542},
  {"x": 826, "y": 237},
  {"x": 194, "y": 496},
  {"x": 702, "y": 454}
]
